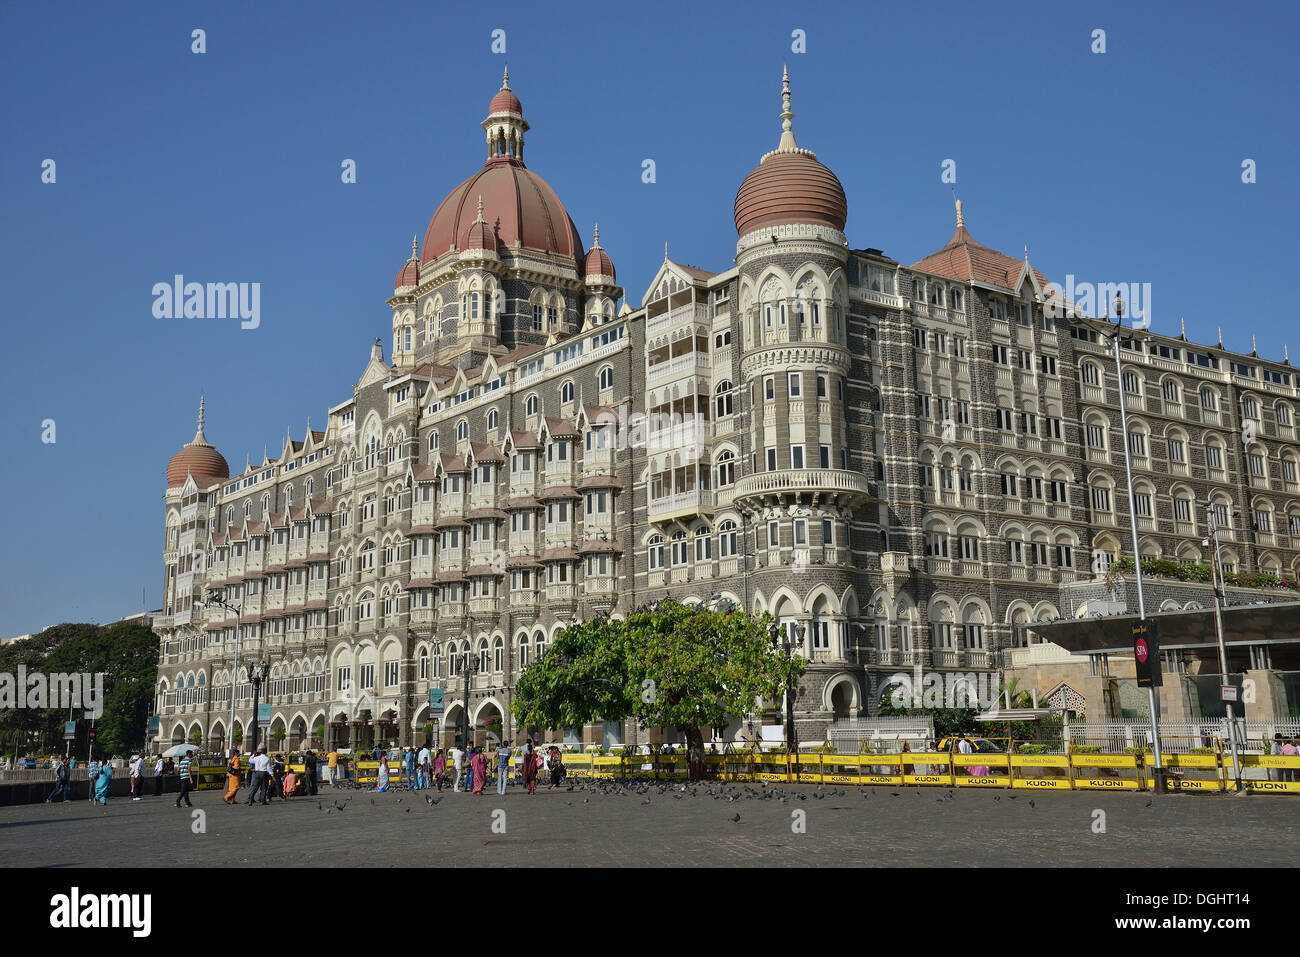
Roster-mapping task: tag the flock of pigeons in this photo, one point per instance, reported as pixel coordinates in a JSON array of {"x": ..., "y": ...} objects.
[{"x": 728, "y": 793}]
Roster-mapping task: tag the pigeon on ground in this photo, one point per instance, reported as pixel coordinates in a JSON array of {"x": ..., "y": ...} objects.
[
  {"x": 1031, "y": 802},
  {"x": 1149, "y": 803},
  {"x": 736, "y": 818}
]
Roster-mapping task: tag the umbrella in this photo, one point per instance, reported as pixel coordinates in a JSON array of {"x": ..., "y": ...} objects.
[{"x": 178, "y": 750}]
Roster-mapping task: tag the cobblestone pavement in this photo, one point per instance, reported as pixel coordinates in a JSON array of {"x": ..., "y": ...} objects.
[{"x": 859, "y": 827}]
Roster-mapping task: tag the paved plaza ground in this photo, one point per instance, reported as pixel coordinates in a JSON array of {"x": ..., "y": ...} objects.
[{"x": 859, "y": 827}]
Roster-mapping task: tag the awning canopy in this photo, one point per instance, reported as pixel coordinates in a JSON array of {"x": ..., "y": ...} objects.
[{"x": 1257, "y": 624}]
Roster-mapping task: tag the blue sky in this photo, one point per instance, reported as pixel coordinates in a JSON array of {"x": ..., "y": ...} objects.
[{"x": 1116, "y": 167}]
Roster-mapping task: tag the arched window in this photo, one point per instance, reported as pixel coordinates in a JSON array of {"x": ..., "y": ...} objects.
[
  {"x": 726, "y": 469},
  {"x": 433, "y": 441},
  {"x": 530, "y": 405},
  {"x": 703, "y": 544},
  {"x": 656, "y": 549},
  {"x": 722, "y": 399},
  {"x": 727, "y": 539},
  {"x": 607, "y": 378},
  {"x": 498, "y": 655},
  {"x": 462, "y": 430},
  {"x": 680, "y": 555},
  {"x": 566, "y": 393},
  {"x": 492, "y": 420}
]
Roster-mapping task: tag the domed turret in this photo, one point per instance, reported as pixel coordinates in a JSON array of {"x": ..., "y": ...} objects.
[
  {"x": 789, "y": 186},
  {"x": 409, "y": 274},
  {"x": 197, "y": 458},
  {"x": 598, "y": 268}
]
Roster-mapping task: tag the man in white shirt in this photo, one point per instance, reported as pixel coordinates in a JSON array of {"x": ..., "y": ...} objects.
[
  {"x": 137, "y": 772},
  {"x": 261, "y": 766},
  {"x": 458, "y": 761},
  {"x": 422, "y": 766}
]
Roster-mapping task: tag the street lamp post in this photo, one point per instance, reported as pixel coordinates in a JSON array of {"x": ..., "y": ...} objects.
[
  {"x": 1216, "y": 579},
  {"x": 217, "y": 599},
  {"x": 257, "y": 674},
  {"x": 1137, "y": 550},
  {"x": 470, "y": 665}
]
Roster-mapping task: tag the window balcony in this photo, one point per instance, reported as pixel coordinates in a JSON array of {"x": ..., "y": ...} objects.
[
  {"x": 690, "y": 502},
  {"x": 683, "y": 435},
  {"x": 831, "y": 485},
  {"x": 689, "y": 364}
]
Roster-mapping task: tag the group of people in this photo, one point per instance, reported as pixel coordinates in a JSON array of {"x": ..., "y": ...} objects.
[
  {"x": 466, "y": 770},
  {"x": 273, "y": 778},
  {"x": 100, "y": 775}
]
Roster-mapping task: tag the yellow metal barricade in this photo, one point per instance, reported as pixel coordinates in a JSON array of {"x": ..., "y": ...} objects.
[
  {"x": 886, "y": 769},
  {"x": 935, "y": 767},
  {"x": 996, "y": 768},
  {"x": 1180, "y": 780},
  {"x": 1100, "y": 772},
  {"x": 1027, "y": 771},
  {"x": 1280, "y": 767}
]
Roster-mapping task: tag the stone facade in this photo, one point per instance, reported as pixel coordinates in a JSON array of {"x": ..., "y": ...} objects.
[{"x": 895, "y": 462}]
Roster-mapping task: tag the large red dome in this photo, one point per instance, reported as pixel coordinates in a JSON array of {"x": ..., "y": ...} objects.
[{"x": 518, "y": 203}]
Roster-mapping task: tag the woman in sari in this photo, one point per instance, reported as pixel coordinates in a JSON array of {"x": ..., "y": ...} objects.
[
  {"x": 480, "y": 771},
  {"x": 439, "y": 768},
  {"x": 381, "y": 782},
  {"x": 102, "y": 783},
  {"x": 528, "y": 764},
  {"x": 232, "y": 777}
]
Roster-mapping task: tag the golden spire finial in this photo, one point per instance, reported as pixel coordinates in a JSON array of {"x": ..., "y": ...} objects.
[
  {"x": 199, "y": 438},
  {"x": 595, "y": 241},
  {"x": 479, "y": 218},
  {"x": 414, "y": 247},
  {"x": 505, "y": 77},
  {"x": 961, "y": 223},
  {"x": 787, "y": 144}
]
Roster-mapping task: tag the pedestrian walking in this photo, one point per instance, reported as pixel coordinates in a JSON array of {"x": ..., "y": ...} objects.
[
  {"x": 439, "y": 768},
  {"x": 381, "y": 779},
  {"x": 158, "y": 776},
  {"x": 186, "y": 770},
  {"x": 529, "y": 767},
  {"x": 232, "y": 777},
  {"x": 103, "y": 779},
  {"x": 458, "y": 767},
  {"x": 479, "y": 766},
  {"x": 332, "y": 766},
  {"x": 503, "y": 767},
  {"x": 62, "y": 783},
  {"x": 92, "y": 776},
  {"x": 137, "y": 776}
]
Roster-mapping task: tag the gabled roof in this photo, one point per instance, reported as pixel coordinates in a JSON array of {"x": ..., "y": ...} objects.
[{"x": 966, "y": 260}]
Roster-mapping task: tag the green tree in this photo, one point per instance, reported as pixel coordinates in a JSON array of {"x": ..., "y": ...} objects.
[
  {"x": 671, "y": 665},
  {"x": 126, "y": 653}
]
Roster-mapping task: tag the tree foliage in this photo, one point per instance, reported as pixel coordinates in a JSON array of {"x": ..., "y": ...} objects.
[
  {"x": 126, "y": 653},
  {"x": 671, "y": 665}
]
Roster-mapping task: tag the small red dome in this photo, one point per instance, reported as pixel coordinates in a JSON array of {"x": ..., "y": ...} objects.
[
  {"x": 788, "y": 188},
  {"x": 505, "y": 102},
  {"x": 408, "y": 275},
  {"x": 598, "y": 263},
  {"x": 205, "y": 463}
]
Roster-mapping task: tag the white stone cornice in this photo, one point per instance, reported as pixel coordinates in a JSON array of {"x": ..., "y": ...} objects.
[{"x": 795, "y": 356}]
